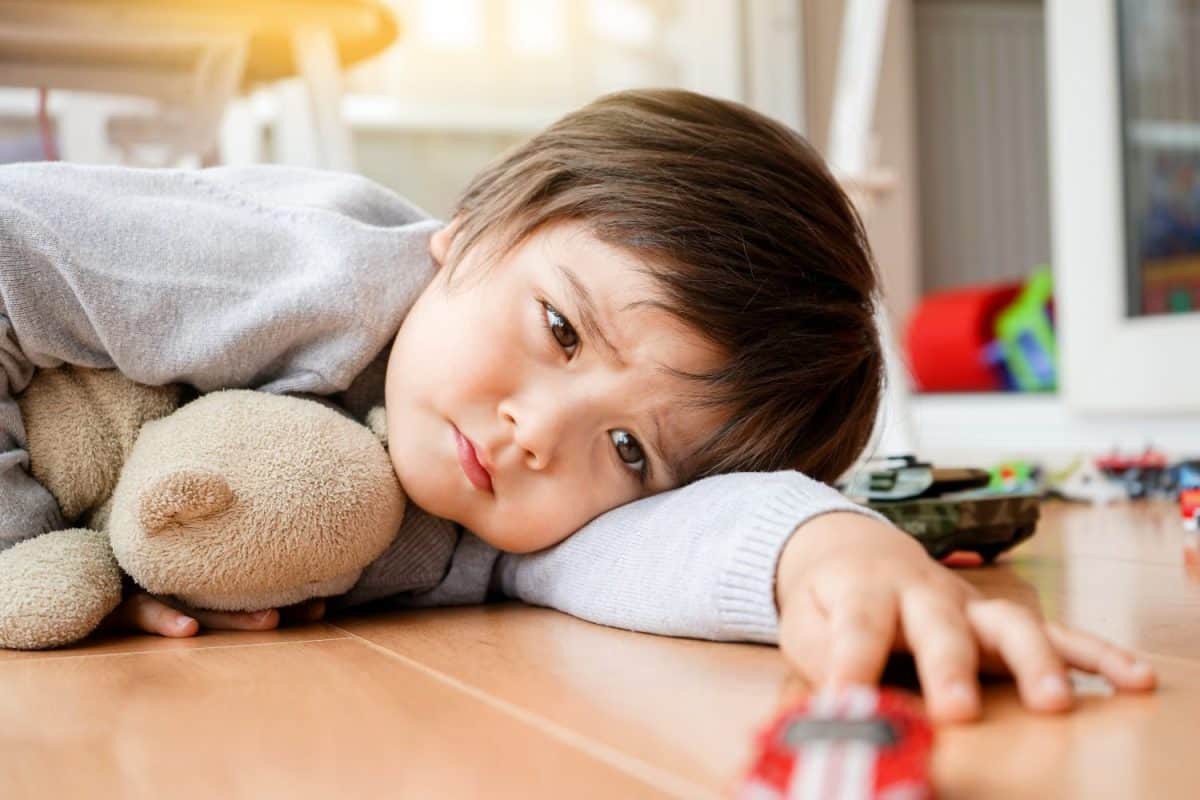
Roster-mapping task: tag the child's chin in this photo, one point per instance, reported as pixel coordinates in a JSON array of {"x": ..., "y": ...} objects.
[{"x": 433, "y": 498}]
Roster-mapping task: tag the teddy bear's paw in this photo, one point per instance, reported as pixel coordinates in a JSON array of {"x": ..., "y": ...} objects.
[{"x": 56, "y": 588}]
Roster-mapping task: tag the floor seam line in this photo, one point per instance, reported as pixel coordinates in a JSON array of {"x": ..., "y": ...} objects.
[
  {"x": 4, "y": 661},
  {"x": 654, "y": 776}
]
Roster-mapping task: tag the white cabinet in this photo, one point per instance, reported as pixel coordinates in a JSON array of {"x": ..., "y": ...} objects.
[
  {"x": 1124, "y": 134},
  {"x": 1095, "y": 145}
]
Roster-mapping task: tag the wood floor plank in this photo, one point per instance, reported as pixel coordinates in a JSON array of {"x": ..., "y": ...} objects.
[
  {"x": 1119, "y": 746},
  {"x": 685, "y": 706},
  {"x": 302, "y": 720},
  {"x": 1146, "y": 531}
]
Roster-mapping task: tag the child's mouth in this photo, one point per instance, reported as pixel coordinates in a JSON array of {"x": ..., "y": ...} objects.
[{"x": 469, "y": 462}]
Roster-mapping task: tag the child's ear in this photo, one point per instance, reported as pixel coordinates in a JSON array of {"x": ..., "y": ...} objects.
[{"x": 439, "y": 245}]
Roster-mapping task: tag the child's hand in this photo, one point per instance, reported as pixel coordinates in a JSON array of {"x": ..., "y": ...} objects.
[
  {"x": 145, "y": 612},
  {"x": 851, "y": 590}
]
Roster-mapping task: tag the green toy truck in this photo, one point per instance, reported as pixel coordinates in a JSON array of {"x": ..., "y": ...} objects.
[{"x": 946, "y": 509}]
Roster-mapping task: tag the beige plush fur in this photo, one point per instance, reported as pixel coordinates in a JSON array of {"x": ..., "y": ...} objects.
[{"x": 237, "y": 500}]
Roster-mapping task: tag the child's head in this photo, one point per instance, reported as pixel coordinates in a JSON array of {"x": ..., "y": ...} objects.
[{"x": 724, "y": 263}]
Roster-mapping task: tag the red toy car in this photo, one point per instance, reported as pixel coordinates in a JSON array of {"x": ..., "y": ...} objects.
[
  {"x": 1189, "y": 508},
  {"x": 1140, "y": 475},
  {"x": 1115, "y": 463},
  {"x": 850, "y": 744}
]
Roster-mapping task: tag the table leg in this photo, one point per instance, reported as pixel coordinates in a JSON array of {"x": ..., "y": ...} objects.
[{"x": 315, "y": 51}]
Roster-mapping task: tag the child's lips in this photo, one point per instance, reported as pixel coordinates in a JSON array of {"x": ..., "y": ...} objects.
[{"x": 469, "y": 462}]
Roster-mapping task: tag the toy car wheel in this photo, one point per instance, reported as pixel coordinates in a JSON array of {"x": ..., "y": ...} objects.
[{"x": 991, "y": 552}]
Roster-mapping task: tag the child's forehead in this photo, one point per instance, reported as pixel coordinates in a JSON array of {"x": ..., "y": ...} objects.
[
  {"x": 579, "y": 237},
  {"x": 575, "y": 254}
]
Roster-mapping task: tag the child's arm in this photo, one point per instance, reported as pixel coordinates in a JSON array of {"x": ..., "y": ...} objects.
[
  {"x": 696, "y": 561},
  {"x": 779, "y": 558}
]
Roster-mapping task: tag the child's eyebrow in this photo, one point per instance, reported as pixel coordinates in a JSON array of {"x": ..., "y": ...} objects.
[
  {"x": 587, "y": 316},
  {"x": 587, "y": 311}
]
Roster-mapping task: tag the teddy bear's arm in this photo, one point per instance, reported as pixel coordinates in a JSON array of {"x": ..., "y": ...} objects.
[
  {"x": 80, "y": 425},
  {"x": 56, "y": 588}
]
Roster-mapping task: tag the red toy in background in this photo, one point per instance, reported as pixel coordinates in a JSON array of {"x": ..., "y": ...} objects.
[
  {"x": 1189, "y": 509},
  {"x": 1115, "y": 463},
  {"x": 948, "y": 336},
  {"x": 987, "y": 338},
  {"x": 856, "y": 743}
]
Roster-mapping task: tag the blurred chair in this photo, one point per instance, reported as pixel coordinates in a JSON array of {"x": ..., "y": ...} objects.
[{"x": 179, "y": 62}]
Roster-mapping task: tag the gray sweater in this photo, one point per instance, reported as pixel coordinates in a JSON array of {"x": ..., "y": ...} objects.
[{"x": 293, "y": 280}]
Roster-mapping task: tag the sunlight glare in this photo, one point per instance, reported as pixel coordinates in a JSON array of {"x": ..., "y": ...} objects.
[
  {"x": 536, "y": 27},
  {"x": 450, "y": 24}
]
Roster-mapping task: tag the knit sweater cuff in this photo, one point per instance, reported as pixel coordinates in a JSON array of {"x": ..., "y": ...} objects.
[{"x": 746, "y": 591}]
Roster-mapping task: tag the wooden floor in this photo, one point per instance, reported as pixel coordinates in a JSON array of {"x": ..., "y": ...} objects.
[{"x": 510, "y": 701}]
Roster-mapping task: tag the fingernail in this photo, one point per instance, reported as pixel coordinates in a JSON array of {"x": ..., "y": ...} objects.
[
  {"x": 1053, "y": 686},
  {"x": 261, "y": 616},
  {"x": 1140, "y": 669},
  {"x": 960, "y": 692},
  {"x": 182, "y": 622}
]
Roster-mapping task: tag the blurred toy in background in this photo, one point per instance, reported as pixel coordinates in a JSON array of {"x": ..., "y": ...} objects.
[
  {"x": 853, "y": 743},
  {"x": 1025, "y": 336},
  {"x": 1189, "y": 509},
  {"x": 985, "y": 338},
  {"x": 1020, "y": 477},
  {"x": 948, "y": 336},
  {"x": 946, "y": 510},
  {"x": 1116, "y": 477},
  {"x": 1141, "y": 475},
  {"x": 1083, "y": 482},
  {"x": 903, "y": 477},
  {"x": 1184, "y": 475}
]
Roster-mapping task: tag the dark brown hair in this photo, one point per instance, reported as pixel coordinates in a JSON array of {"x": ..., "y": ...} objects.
[{"x": 752, "y": 243}]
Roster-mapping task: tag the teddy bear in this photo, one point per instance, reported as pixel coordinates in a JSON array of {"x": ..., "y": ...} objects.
[{"x": 235, "y": 500}]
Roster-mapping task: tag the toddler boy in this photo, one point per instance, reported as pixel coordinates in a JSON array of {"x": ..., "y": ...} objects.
[{"x": 614, "y": 382}]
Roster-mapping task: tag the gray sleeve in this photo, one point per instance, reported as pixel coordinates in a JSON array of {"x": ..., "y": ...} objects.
[
  {"x": 272, "y": 278},
  {"x": 26, "y": 507},
  {"x": 698, "y": 561}
]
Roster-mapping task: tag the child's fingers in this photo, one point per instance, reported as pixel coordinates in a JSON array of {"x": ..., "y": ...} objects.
[
  {"x": 1120, "y": 666},
  {"x": 946, "y": 654},
  {"x": 237, "y": 620},
  {"x": 804, "y": 636},
  {"x": 1021, "y": 640},
  {"x": 862, "y": 630},
  {"x": 144, "y": 612}
]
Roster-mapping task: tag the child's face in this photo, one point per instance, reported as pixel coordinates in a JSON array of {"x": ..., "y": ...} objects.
[{"x": 561, "y": 427}]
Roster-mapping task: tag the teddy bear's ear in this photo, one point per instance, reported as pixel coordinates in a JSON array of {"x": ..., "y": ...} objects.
[
  {"x": 377, "y": 422},
  {"x": 184, "y": 495}
]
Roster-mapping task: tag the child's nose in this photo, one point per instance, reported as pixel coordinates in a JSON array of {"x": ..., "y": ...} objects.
[{"x": 541, "y": 430}]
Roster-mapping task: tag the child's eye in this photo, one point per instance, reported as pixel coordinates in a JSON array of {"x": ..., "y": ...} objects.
[
  {"x": 630, "y": 452},
  {"x": 560, "y": 328}
]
